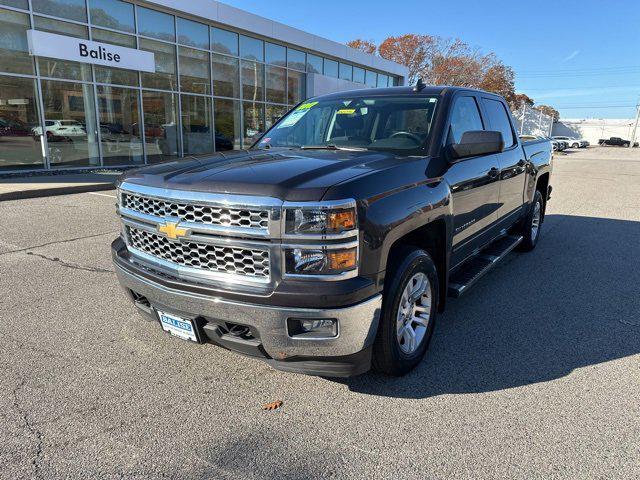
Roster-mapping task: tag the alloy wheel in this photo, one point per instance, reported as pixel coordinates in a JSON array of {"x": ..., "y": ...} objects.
[
  {"x": 414, "y": 313},
  {"x": 535, "y": 221}
]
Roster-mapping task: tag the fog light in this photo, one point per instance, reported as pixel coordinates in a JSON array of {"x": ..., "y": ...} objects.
[{"x": 312, "y": 328}]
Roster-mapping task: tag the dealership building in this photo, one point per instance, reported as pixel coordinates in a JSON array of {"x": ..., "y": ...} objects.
[{"x": 111, "y": 83}]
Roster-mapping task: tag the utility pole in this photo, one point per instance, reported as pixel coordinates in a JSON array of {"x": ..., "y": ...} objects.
[{"x": 635, "y": 127}]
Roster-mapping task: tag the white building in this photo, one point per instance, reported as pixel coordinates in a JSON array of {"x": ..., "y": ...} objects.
[{"x": 593, "y": 129}]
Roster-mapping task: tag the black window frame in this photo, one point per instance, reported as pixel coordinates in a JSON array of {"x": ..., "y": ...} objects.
[
  {"x": 507, "y": 111},
  {"x": 448, "y": 136}
]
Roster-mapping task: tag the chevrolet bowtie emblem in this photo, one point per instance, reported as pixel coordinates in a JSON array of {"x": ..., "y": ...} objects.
[{"x": 172, "y": 231}]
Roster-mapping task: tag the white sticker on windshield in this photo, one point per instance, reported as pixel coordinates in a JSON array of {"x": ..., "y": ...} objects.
[{"x": 293, "y": 118}]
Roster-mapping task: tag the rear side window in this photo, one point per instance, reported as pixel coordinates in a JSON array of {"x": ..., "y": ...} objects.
[
  {"x": 465, "y": 117},
  {"x": 499, "y": 120}
]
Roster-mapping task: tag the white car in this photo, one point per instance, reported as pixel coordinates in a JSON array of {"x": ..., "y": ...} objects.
[
  {"x": 573, "y": 142},
  {"x": 60, "y": 128}
]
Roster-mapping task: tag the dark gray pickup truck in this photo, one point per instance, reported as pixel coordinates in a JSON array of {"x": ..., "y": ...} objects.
[{"x": 331, "y": 245}]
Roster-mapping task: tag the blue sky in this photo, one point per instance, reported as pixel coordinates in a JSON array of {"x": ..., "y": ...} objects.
[{"x": 582, "y": 57}]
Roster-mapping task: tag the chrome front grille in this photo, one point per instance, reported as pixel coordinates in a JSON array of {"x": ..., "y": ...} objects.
[
  {"x": 230, "y": 260},
  {"x": 201, "y": 214}
]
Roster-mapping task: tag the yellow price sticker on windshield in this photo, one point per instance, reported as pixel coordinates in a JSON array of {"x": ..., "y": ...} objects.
[
  {"x": 346, "y": 111},
  {"x": 307, "y": 106}
]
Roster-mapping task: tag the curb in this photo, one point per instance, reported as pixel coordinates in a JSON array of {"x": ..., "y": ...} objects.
[{"x": 55, "y": 191}]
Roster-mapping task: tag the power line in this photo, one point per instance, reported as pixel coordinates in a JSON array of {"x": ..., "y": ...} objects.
[
  {"x": 579, "y": 75},
  {"x": 580, "y": 88},
  {"x": 595, "y": 107},
  {"x": 579, "y": 70}
]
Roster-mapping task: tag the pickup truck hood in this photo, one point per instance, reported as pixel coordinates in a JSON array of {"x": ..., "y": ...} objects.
[{"x": 294, "y": 175}]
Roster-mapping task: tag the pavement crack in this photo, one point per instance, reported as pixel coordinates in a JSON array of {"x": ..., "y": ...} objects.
[
  {"x": 59, "y": 242},
  {"x": 37, "y": 434},
  {"x": 71, "y": 265}
]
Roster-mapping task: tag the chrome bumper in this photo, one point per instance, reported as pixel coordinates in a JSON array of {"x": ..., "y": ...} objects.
[{"x": 356, "y": 331}]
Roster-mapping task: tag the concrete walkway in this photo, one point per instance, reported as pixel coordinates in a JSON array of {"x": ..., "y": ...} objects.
[{"x": 16, "y": 188}]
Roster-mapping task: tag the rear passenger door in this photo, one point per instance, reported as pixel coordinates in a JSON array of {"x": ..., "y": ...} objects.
[
  {"x": 473, "y": 182},
  {"x": 513, "y": 164}
]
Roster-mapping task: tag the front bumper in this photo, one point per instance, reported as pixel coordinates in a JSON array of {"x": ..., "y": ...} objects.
[{"x": 347, "y": 354}]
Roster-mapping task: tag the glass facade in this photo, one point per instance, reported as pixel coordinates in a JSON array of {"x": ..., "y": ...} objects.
[{"x": 213, "y": 89}]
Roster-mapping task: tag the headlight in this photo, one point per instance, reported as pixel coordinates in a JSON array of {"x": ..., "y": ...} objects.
[
  {"x": 321, "y": 220},
  {"x": 320, "y": 261}
]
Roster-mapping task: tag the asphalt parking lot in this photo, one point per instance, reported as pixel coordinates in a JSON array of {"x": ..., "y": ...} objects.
[{"x": 534, "y": 374}]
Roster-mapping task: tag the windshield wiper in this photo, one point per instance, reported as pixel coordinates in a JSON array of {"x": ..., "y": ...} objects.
[{"x": 331, "y": 146}]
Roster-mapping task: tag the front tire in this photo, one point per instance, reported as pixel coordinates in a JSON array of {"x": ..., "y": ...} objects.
[
  {"x": 409, "y": 310},
  {"x": 532, "y": 224}
]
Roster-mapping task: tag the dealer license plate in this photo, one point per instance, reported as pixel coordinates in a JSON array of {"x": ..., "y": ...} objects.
[{"x": 178, "y": 326}]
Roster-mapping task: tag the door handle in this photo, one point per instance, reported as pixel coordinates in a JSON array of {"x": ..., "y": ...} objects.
[{"x": 494, "y": 172}]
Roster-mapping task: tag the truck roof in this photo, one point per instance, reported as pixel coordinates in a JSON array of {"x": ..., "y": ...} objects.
[{"x": 428, "y": 90}]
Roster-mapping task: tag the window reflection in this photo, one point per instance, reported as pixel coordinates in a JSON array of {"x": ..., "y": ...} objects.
[
  {"x": 227, "y": 124},
  {"x": 117, "y": 76},
  {"x": 223, "y": 41},
  {"x": 330, "y": 68},
  {"x": 112, "y": 14},
  {"x": 252, "y": 81},
  {"x": 275, "y": 54},
  {"x": 70, "y": 123},
  {"x": 196, "y": 125},
  {"x": 346, "y": 72},
  {"x": 273, "y": 114},
  {"x": 193, "y": 33},
  {"x": 371, "y": 78},
  {"x": 276, "y": 85},
  {"x": 195, "y": 75},
  {"x": 120, "y": 134},
  {"x": 251, "y": 48},
  {"x": 23, "y": 4},
  {"x": 54, "y": 67},
  {"x": 14, "y": 51},
  {"x": 160, "y": 129},
  {"x": 296, "y": 82},
  {"x": 296, "y": 59},
  {"x": 165, "y": 57},
  {"x": 253, "y": 122},
  {"x": 226, "y": 76},
  {"x": 71, "y": 9},
  {"x": 314, "y": 64},
  {"x": 358, "y": 75},
  {"x": 20, "y": 128},
  {"x": 152, "y": 23}
]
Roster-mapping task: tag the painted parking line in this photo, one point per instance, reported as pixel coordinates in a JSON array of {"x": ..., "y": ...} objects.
[{"x": 101, "y": 194}]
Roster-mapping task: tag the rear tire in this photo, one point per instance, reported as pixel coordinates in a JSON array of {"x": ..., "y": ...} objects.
[
  {"x": 409, "y": 310},
  {"x": 532, "y": 224}
]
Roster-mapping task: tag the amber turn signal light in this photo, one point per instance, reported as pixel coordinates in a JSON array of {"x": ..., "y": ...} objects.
[
  {"x": 341, "y": 221},
  {"x": 342, "y": 259}
]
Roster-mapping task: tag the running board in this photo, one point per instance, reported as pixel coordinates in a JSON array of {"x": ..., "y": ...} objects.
[{"x": 477, "y": 266}]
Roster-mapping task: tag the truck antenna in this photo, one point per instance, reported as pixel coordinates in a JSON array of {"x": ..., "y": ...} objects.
[{"x": 419, "y": 86}]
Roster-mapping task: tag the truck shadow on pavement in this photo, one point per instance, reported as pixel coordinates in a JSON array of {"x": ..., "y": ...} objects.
[{"x": 571, "y": 303}]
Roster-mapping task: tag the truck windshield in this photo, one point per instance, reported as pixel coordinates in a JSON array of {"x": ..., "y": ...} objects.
[{"x": 401, "y": 123}]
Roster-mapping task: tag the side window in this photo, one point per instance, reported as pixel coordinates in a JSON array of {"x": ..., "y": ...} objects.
[
  {"x": 499, "y": 120},
  {"x": 465, "y": 117}
]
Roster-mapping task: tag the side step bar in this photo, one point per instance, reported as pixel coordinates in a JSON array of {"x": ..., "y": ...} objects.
[{"x": 476, "y": 267}]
